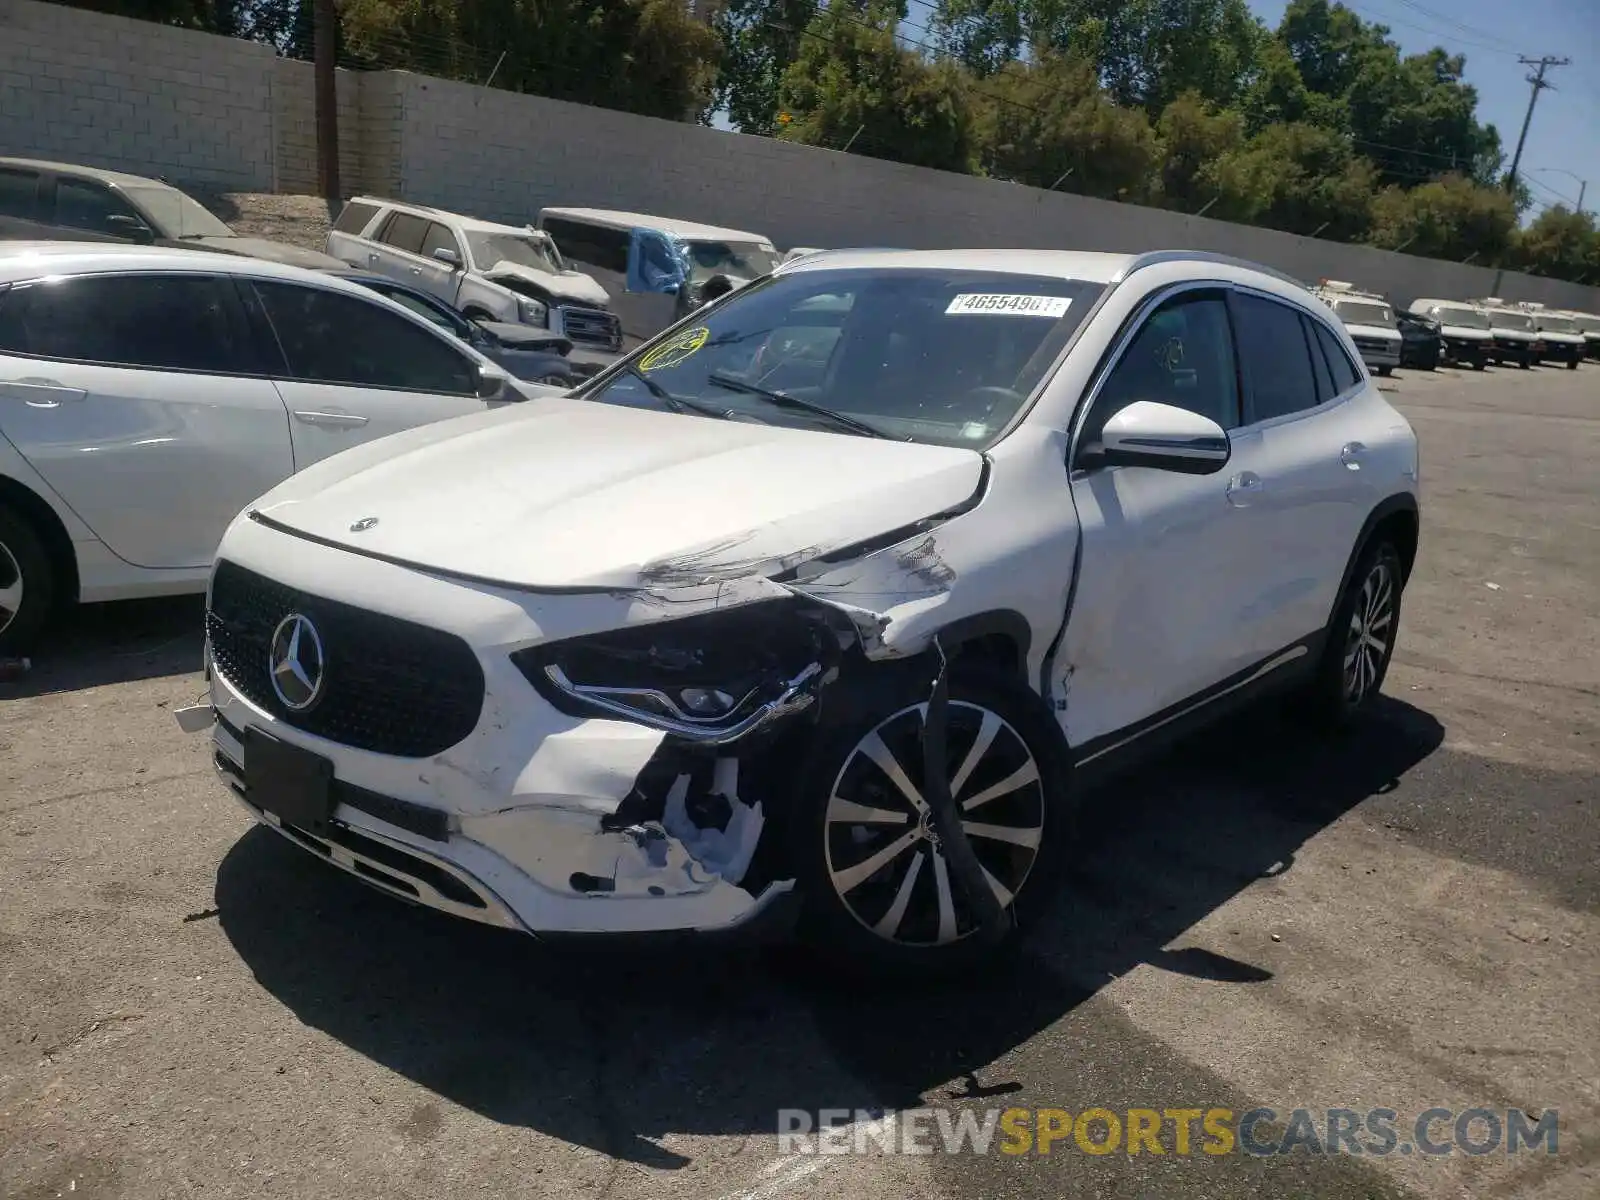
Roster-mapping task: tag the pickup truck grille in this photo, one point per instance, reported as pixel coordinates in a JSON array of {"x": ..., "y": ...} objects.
[{"x": 592, "y": 327}]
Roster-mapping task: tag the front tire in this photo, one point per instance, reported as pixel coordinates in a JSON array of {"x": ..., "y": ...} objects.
[
  {"x": 1385, "y": 371},
  {"x": 880, "y": 896},
  {"x": 27, "y": 584},
  {"x": 1360, "y": 638}
]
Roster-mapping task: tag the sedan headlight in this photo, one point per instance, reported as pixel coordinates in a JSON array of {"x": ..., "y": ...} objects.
[
  {"x": 533, "y": 312},
  {"x": 709, "y": 677}
]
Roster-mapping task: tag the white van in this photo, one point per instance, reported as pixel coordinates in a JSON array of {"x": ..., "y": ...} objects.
[
  {"x": 1468, "y": 336},
  {"x": 1368, "y": 319}
]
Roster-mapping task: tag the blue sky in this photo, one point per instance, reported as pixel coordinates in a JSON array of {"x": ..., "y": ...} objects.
[{"x": 1491, "y": 33}]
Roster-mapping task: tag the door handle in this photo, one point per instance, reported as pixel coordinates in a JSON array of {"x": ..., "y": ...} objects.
[
  {"x": 330, "y": 420},
  {"x": 41, "y": 393},
  {"x": 1351, "y": 454},
  {"x": 1243, "y": 487},
  {"x": 372, "y": 257},
  {"x": 416, "y": 270}
]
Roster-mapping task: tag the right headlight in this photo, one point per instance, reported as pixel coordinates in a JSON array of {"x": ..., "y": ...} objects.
[{"x": 695, "y": 676}]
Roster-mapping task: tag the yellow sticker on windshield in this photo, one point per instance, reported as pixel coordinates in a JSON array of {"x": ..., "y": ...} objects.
[{"x": 671, "y": 353}]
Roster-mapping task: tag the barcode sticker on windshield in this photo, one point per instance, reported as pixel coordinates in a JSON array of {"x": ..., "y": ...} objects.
[{"x": 1008, "y": 306}]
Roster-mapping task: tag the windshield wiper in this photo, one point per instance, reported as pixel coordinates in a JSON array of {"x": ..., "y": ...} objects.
[
  {"x": 785, "y": 400},
  {"x": 675, "y": 403}
]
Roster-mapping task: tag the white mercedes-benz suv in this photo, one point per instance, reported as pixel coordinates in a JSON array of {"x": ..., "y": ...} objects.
[{"x": 826, "y": 602}]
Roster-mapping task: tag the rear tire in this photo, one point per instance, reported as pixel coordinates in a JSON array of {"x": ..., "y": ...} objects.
[
  {"x": 906, "y": 916},
  {"x": 1360, "y": 638},
  {"x": 27, "y": 584},
  {"x": 1385, "y": 371}
]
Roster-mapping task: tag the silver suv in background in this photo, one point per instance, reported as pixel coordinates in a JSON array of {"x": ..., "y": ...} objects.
[{"x": 490, "y": 272}]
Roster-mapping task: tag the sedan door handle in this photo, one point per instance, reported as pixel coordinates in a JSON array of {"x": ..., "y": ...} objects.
[
  {"x": 372, "y": 257},
  {"x": 1242, "y": 487},
  {"x": 331, "y": 420},
  {"x": 416, "y": 270},
  {"x": 1351, "y": 454},
  {"x": 41, "y": 393}
]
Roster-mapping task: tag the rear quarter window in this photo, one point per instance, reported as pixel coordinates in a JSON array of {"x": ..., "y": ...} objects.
[{"x": 355, "y": 217}]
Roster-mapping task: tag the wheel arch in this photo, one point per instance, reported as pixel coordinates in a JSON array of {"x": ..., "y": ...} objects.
[
  {"x": 1398, "y": 518},
  {"x": 999, "y": 638},
  {"x": 52, "y": 533}
]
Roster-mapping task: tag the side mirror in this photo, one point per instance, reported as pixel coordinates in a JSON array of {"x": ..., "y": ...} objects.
[
  {"x": 448, "y": 257},
  {"x": 1164, "y": 437},
  {"x": 493, "y": 382},
  {"x": 130, "y": 227}
]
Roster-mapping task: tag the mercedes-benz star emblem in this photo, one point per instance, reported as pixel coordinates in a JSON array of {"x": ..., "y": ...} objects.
[
  {"x": 363, "y": 525},
  {"x": 296, "y": 665}
]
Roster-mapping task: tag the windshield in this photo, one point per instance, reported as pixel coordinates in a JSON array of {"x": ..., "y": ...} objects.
[
  {"x": 1587, "y": 323},
  {"x": 174, "y": 215},
  {"x": 1363, "y": 312},
  {"x": 746, "y": 260},
  {"x": 927, "y": 355},
  {"x": 1504, "y": 318},
  {"x": 526, "y": 250},
  {"x": 1454, "y": 314},
  {"x": 1557, "y": 325}
]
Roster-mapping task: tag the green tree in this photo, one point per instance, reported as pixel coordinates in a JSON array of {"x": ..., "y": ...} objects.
[
  {"x": 643, "y": 56},
  {"x": 1296, "y": 177},
  {"x": 1452, "y": 217},
  {"x": 1561, "y": 243},
  {"x": 761, "y": 39},
  {"x": 1193, "y": 135},
  {"x": 982, "y": 35},
  {"x": 1041, "y": 121},
  {"x": 853, "y": 84}
]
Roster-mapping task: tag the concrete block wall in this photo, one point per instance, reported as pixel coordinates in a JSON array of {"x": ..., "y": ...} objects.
[
  {"x": 227, "y": 114},
  {"x": 503, "y": 156},
  {"x": 294, "y": 123},
  {"x": 134, "y": 96}
]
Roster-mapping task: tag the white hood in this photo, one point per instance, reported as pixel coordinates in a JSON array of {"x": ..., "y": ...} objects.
[
  {"x": 1381, "y": 332},
  {"x": 1466, "y": 333},
  {"x": 565, "y": 493},
  {"x": 568, "y": 285}
]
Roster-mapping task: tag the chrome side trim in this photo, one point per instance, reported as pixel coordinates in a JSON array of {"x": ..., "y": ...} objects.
[{"x": 1266, "y": 668}]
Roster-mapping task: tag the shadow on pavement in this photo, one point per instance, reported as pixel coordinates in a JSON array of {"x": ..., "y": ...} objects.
[
  {"x": 98, "y": 644},
  {"x": 614, "y": 1048}
]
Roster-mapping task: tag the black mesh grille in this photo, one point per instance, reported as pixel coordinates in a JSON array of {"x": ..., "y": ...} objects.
[{"x": 391, "y": 686}]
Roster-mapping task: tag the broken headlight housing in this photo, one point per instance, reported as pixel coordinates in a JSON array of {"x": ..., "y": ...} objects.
[{"x": 709, "y": 678}]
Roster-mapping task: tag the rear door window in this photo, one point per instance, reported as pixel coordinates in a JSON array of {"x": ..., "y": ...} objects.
[
  {"x": 355, "y": 217},
  {"x": 1276, "y": 359},
  {"x": 329, "y": 337},
  {"x": 404, "y": 232},
  {"x": 1340, "y": 368},
  {"x": 19, "y": 193},
  {"x": 153, "y": 322}
]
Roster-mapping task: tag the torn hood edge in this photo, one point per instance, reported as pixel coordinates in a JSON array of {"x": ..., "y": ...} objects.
[{"x": 568, "y": 285}]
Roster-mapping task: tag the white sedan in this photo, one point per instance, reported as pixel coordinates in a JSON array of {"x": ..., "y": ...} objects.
[
  {"x": 833, "y": 596},
  {"x": 147, "y": 395}
]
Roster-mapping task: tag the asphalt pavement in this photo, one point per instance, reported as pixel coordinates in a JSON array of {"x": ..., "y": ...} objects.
[{"x": 1402, "y": 917}]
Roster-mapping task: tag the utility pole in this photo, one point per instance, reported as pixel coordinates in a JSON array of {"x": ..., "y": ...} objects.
[
  {"x": 325, "y": 38},
  {"x": 1537, "y": 79}
]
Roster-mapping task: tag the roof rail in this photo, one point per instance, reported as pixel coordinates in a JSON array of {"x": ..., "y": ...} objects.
[{"x": 1154, "y": 258}]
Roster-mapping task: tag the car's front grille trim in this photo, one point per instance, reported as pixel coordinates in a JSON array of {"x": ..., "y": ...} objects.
[
  {"x": 592, "y": 326},
  {"x": 392, "y": 687}
]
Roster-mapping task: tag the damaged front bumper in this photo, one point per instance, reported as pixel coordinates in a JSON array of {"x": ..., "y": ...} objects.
[{"x": 542, "y": 820}]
